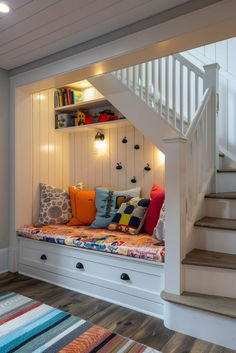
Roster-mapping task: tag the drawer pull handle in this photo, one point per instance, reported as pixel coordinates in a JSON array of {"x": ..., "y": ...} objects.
[
  {"x": 79, "y": 265},
  {"x": 124, "y": 277},
  {"x": 43, "y": 257}
]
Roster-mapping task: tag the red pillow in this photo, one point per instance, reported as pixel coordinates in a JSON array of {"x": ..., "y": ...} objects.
[{"x": 157, "y": 198}]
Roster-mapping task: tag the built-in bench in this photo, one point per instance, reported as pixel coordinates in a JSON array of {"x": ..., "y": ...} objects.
[{"x": 124, "y": 269}]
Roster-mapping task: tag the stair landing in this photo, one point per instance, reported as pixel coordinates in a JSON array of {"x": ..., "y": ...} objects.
[{"x": 214, "y": 304}]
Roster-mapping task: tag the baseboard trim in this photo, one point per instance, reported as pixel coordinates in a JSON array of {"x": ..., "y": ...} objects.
[{"x": 4, "y": 260}]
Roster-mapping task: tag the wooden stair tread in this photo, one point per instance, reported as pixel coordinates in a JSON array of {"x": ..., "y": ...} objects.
[
  {"x": 218, "y": 223},
  {"x": 214, "y": 304},
  {"x": 226, "y": 171},
  {"x": 222, "y": 195},
  {"x": 207, "y": 258}
]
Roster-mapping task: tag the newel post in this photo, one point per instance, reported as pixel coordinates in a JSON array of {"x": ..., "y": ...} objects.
[
  {"x": 175, "y": 201},
  {"x": 211, "y": 80}
]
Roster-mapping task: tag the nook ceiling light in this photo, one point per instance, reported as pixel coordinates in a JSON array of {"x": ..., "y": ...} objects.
[{"x": 4, "y": 8}]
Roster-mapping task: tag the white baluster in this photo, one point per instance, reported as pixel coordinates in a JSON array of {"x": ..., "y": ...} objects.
[
  {"x": 128, "y": 77},
  {"x": 160, "y": 84},
  {"x": 147, "y": 82},
  {"x": 189, "y": 96},
  {"x": 154, "y": 82},
  {"x": 174, "y": 89},
  {"x": 135, "y": 75},
  {"x": 167, "y": 88},
  {"x": 181, "y": 98},
  {"x": 196, "y": 92}
]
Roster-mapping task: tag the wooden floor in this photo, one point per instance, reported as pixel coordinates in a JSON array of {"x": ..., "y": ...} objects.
[{"x": 139, "y": 327}]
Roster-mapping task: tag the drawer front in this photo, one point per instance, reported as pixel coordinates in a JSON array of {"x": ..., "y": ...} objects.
[{"x": 61, "y": 260}]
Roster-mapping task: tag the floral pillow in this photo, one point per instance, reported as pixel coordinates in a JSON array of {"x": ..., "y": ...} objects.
[
  {"x": 160, "y": 229},
  {"x": 130, "y": 216},
  {"x": 55, "y": 206}
]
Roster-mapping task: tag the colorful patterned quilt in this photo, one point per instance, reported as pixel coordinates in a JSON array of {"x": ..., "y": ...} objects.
[{"x": 141, "y": 246}]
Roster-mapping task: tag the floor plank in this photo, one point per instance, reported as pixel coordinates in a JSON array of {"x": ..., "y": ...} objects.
[{"x": 140, "y": 327}]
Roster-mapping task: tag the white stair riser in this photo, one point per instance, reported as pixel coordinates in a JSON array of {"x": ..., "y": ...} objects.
[
  {"x": 215, "y": 240},
  {"x": 201, "y": 324},
  {"x": 220, "y": 208},
  {"x": 210, "y": 280},
  {"x": 226, "y": 182}
]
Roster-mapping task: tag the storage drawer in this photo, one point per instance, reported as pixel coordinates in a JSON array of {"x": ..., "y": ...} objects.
[{"x": 88, "y": 265}]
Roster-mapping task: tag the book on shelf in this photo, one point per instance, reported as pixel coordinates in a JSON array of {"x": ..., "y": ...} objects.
[{"x": 67, "y": 96}]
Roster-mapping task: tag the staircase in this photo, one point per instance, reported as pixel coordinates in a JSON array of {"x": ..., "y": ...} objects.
[
  {"x": 210, "y": 269},
  {"x": 174, "y": 104}
]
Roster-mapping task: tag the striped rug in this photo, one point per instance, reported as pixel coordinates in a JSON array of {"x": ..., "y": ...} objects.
[{"x": 28, "y": 326}]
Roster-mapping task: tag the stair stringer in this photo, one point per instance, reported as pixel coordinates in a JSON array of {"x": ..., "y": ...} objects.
[{"x": 144, "y": 118}]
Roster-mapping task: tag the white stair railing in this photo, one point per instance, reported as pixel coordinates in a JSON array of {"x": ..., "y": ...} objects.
[
  {"x": 173, "y": 86},
  {"x": 191, "y": 164},
  {"x": 200, "y": 154}
]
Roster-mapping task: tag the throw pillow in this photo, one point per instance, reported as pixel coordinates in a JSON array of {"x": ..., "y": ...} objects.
[
  {"x": 130, "y": 216},
  {"x": 157, "y": 196},
  {"x": 160, "y": 229},
  {"x": 107, "y": 204},
  {"x": 55, "y": 207},
  {"x": 83, "y": 207}
]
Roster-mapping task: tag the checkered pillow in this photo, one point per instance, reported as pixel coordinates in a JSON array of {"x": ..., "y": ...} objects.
[{"x": 130, "y": 216}]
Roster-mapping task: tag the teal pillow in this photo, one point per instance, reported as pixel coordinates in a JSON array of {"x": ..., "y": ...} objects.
[{"x": 107, "y": 204}]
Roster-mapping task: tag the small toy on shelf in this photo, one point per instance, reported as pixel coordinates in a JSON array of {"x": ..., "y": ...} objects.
[
  {"x": 81, "y": 117},
  {"x": 61, "y": 121}
]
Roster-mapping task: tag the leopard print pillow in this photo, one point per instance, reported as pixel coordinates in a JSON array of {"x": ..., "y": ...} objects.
[{"x": 55, "y": 207}]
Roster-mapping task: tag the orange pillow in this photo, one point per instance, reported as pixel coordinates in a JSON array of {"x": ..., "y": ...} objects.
[{"x": 83, "y": 207}]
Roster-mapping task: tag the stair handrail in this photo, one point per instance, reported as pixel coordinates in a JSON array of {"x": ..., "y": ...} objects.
[{"x": 166, "y": 85}]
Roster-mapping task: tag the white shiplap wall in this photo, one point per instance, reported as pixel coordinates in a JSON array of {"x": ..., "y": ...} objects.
[
  {"x": 63, "y": 159},
  {"x": 50, "y": 155},
  {"x": 94, "y": 169}
]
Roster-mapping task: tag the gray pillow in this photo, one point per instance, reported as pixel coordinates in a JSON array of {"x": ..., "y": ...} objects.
[
  {"x": 160, "y": 229},
  {"x": 55, "y": 207}
]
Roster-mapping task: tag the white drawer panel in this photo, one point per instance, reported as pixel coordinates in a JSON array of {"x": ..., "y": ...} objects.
[{"x": 103, "y": 270}]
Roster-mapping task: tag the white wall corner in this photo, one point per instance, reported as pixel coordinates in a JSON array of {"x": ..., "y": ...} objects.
[{"x": 4, "y": 260}]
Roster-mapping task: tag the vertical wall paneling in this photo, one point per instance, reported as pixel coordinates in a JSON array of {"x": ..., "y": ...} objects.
[
  {"x": 50, "y": 150},
  {"x": 43, "y": 136},
  {"x": 35, "y": 157},
  {"x": 62, "y": 159},
  {"x": 23, "y": 158},
  {"x": 130, "y": 157},
  {"x": 122, "y": 157},
  {"x": 106, "y": 179},
  {"x": 51, "y": 140},
  {"x": 113, "y": 154}
]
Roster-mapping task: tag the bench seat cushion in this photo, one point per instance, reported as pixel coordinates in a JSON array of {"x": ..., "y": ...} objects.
[{"x": 141, "y": 246}]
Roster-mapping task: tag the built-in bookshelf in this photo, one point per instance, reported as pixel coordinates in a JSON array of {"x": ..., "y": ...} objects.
[{"x": 93, "y": 111}]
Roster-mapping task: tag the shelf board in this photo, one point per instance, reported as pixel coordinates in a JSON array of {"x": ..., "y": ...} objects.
[
  {"x": 99, "y": 102},
  {"x": 95, "y": 126}
]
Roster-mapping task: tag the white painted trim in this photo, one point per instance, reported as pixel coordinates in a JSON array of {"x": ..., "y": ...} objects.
[
  {"x": 179, "y": 34},
  {"x": 204, "y": 325},
  {"x": 4, "y": 260}
]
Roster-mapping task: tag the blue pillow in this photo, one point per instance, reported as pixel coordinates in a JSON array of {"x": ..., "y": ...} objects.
[{"x": 107, "y": 205}]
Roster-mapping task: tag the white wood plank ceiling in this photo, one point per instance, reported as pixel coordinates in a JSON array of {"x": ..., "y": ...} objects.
[{"x": 37, "y": 28}]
